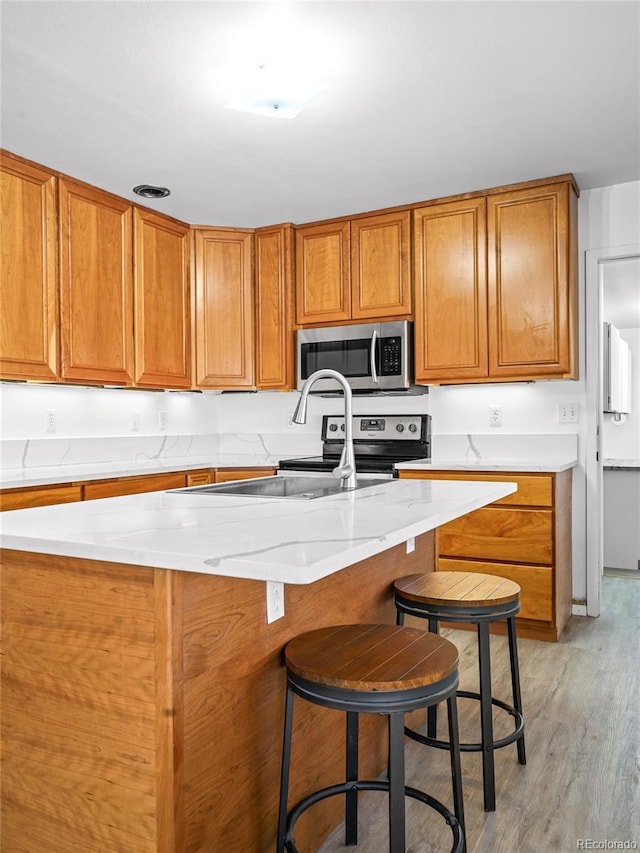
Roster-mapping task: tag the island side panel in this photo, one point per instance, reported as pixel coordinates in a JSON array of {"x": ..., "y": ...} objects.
[
  {"x": 234, "y": 690},
  {"x": 78, "y": 718}
]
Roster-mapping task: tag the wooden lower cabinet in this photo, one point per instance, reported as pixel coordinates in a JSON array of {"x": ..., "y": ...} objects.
[
  {"x": 224, "y": 475},
  {"x": 133, "y": 485},
  {"x": 39, "y": 496},
  {"x": 525, "y": 537},
  {"x": 143, "y": 708}
]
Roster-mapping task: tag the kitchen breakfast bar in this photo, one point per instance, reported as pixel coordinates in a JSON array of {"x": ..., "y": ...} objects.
[{"x": 142, "y": 686}]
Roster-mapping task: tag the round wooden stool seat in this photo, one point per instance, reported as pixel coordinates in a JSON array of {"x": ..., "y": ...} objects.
[
  {"x": 377, "y": 669},
  {"x": 480, "y": 599},
  {"x": 381, "y": 658},
  {"x": 463, "y": 592}
]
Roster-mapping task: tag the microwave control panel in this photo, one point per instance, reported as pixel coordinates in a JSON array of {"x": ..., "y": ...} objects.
[{"x": 391, "y": 356}]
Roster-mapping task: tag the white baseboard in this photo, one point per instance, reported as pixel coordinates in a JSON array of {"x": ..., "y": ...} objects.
[{"x": 578, "y": 609}]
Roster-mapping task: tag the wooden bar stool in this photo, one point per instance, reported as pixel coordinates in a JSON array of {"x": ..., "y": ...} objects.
[
  {"x": 481, "y": 600},
  {"x": 375, "y": 669}
]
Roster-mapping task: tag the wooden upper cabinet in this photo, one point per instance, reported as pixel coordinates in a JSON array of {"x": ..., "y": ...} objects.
[
  {"x": 96, "y": 287},
  {"x": 274, "y": 307},
  {"x": 28, "y": 291},
  {"x": 223, "y": 308},
  {"x": 323, "y": 276},
  {"x": 532, "y": 279},
  {"x": 450, "y": 291},
  {"x": 381, "y": 266},
  {"x": 162, "y": 309}
]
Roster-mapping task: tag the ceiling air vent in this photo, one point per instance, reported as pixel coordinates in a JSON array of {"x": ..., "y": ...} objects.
[{"x": 147, "y": 191}]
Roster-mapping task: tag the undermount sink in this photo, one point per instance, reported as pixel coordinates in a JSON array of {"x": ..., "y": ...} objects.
[{"x": 283, "y": 487}]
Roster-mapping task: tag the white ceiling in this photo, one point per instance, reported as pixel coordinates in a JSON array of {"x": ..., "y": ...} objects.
[{"x": 423, "y": 99}]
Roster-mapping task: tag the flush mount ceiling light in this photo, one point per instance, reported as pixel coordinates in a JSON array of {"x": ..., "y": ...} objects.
[
  {"x": 277, "y": 91},
  {"x": 149, "y": 191}
]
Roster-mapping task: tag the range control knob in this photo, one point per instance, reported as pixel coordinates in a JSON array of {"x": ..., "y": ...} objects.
[
  {"x": 413, "y": 428},
  {"x": 342, "y": 427},
  {"x": 400, "y": 427},
  {"x": 333, "y": 427}
]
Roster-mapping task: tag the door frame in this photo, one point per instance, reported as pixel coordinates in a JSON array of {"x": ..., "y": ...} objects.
[{"x": 596, "y": 261}]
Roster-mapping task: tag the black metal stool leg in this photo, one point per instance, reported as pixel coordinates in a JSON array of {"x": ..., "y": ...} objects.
[
  {"x": 432, "y": 713},
  {"x": 515, "y": 683},
  {"x": 486, "y": 717},
  {"x": 351, "y": 797},
  {"x": 396, "y": 784},
  {"x": 284, "y": 771},
  {"x": 399, "y": 617},
  {"x": 456, "y": 768}
]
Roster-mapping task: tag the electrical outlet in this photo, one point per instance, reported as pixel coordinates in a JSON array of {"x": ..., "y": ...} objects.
[
  {"x": 275, "y": 600},
  {"x": 162, "y": 420},
  {"x": 135, "y": 421},
  {"x": 495, "y": 416},
  {"x": 51, "y": 421},
  {"x": 569, "y": 413}
]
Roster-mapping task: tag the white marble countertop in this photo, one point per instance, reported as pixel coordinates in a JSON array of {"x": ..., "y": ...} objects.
[
  {"x": 15, "y": 478},
  {"x": 550, "y": 465},
  {"x": 259, "y": 538},
  {"x": 621, "y": 463}
]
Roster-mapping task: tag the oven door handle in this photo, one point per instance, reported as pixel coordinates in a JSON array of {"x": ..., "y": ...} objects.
[{"x": 372, "y": 355}]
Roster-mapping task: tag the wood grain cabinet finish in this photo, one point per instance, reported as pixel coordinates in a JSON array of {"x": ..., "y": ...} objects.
[
  {"x": 450, "y": 291},
  {"x": 381, "y": 266},
  {"x": 274, "y": 297},
  {"x": 96, "y": 292},
  {"x": 162, "y": 302},
  {"x": 532, "y": 278},
  {"x": 133, "y": 485},
  {"x": 496, "y": 285},
  {"x": 29, "y": 291},
  {"x": 323, "y": 273},
  {"x": 525, "y": 537},
  {"x": 223, "y": 308},
  {"x": 39, "y": 496},
  {"x": 226, "y": 475}
]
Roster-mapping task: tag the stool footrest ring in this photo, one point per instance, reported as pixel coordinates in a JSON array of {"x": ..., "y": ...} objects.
[
  {"x": 475, "y": 747},
  {"x": 373, "y": 785}
]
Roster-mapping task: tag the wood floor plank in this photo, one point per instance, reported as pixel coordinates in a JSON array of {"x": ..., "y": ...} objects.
[{"x": 582, "y": 706}]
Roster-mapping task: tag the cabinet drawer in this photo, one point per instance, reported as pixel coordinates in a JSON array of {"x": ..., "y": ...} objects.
[
  {"x": 225, "y": 475},
  {"x": 536, "y": 583},
  {"x": 200, "y": 478},
  {"x": 133, "y": 486},
  {"x": 46, "y": 496},
  {"x": 533, "y": 489},
  {"x": 493, "y": 533}
]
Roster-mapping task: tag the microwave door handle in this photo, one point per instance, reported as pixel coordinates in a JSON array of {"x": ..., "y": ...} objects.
[{"x": 372, "y": 355}]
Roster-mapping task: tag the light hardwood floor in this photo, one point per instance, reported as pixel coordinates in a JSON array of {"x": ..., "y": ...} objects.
[{"x": 582, "y": 779}]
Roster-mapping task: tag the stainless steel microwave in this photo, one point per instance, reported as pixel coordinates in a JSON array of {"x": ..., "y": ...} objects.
[{"x": 371, "y": 356}]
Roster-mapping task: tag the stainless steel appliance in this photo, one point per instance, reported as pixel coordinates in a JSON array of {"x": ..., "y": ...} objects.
[
  {"x": 371, "y": 356},
  {"x": 380, "y": 441}
]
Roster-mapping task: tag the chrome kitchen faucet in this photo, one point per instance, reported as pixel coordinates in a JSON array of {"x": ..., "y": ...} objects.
[{"x": 346, "y": 469}]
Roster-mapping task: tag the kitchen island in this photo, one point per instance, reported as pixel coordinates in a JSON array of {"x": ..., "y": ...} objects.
[{"x": 142, "y": 686}]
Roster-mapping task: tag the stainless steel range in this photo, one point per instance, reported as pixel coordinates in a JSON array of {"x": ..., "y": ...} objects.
[{"x": 380, "y": 441}]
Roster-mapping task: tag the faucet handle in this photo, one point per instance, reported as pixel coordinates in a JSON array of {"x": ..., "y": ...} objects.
[{"x": 341, "y": 472}]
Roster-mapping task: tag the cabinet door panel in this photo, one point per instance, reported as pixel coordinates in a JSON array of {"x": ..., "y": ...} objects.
[
  {"x": 133, "y": 485},
  {"x": 224, "y": 309},
  {"x": 530, "y": 286},
  {"x": 225, "y": 475},
  {"x": 29, "y": 294},
  {"x": 450, "y": 283},
  {"x": 96, "y": 285},
  {"x": 274, "y": 307},
  {"x": 492, "y": 533},
  {"x": 381, "y": 266},
  {"x": 533, "y": 490},
  {"x": 323, "y": 277},
  {"x": 536, "y": 583},
  {"x": 44, "y": 496},
  {"x": 162, "y": 311}
]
